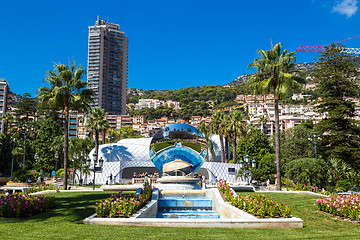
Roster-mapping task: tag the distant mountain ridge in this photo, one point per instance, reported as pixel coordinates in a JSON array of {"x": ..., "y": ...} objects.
[{"x": 306, "y": 67}]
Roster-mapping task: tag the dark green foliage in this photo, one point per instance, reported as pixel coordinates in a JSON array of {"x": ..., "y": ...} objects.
[
  {"x": 257, "y": 146},
  {"x": 307, "y": 170},
  {"x": 265, "y": 168},
  {"x": 194, "y": 101},
  {"x": 26, "y": 107},
  {"x": 343, "y": 185},
  {"x": 155, "y": 113},
  {"x": 23, "y": 174},
  {"x": 336, "y": 78},
  {"x": 48, "y": 130},
  {"x": 5, "y": 154},
  {"x": 295, "y": 143}
]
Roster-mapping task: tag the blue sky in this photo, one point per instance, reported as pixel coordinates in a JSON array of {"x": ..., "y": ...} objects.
[{"x": 172, "y": 44}]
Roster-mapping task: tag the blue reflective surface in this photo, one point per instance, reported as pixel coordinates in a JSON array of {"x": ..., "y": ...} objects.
[
  {"x": 182, "y": 127},
  {"x": 177, "y": 153}
]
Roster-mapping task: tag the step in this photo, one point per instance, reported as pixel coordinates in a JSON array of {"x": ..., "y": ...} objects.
[
  {"x": 188, "y": 214},
  {"x": 185, "y": 203}
]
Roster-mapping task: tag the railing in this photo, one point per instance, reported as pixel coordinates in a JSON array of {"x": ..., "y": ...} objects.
[{"x": 142, "y": 180}]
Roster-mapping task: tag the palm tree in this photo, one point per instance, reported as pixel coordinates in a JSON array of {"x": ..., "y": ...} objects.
[
  {"x": 8, "y": 118},
  {"x": 97, "y": 123},
  {"x": 236, "y": 128},
  {"x": 67, "y": 92},
  {"x": 217, "y": 127},
  {"x": 276, "y": 74},
  {"x": 206, "y": 131}
]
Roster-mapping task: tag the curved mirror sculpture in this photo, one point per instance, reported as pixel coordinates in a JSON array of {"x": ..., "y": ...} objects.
[{"x": 177, "y": 148}]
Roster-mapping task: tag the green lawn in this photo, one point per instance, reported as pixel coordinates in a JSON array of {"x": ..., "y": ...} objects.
[{"x": 65, "y": 222}]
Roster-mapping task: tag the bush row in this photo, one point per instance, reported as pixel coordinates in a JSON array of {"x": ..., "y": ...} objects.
[
  {"x": 347, "y": 206},
  {"x": 18, "y": 205},
  {"x": 258, "y": 205},
  {"x": 118, "y": 205},
  {"x": 42, "y": 188},
  {"x": 304, "y": 187}
]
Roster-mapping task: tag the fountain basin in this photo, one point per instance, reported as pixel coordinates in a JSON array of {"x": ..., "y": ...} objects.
[{"x": 178, "y": 183}]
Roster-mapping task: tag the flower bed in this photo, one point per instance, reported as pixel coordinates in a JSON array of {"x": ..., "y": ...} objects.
[
  {"x": 19, "y": 205},
  {"x": 347, "y": 206},
  {"x": 42, "y": 188},
  {"x": 258, "y": 205},
  {"x": 304, "y": 187},
  {"x": 118, "y": 205}
]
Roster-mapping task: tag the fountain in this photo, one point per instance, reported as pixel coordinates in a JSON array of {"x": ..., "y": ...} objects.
[{"x": 179, "y": 150}]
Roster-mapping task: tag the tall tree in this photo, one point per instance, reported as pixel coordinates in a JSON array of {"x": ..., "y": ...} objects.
[
  {"x": 236, "y": 128},
  {"x": 47, "y": 131},
  {"x": 25, "y": 107},
  {"x": 97, "y": 124},
  {"x": 276, "y": 74},
  {"x": 205, "y": 130},
  {"x": 335, "y": 79},
  {"x": 8, "y": 119},
  {"x": 295, "y": 143},
  {"x": 67, "y": 92}
]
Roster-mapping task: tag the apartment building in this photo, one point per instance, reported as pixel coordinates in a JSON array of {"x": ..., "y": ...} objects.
[
  {"x": 107, "y": 66},
  {"x": 155, "y": 103},
  {"x": 5, "y": 100}
]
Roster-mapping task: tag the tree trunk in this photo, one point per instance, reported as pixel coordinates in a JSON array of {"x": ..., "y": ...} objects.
[
  {"x": 66, "y": 143},
  {"x": 234, "y": 150},
  {"x": 97, "y": 144},
  {"x": 277, "y": 144},
  {"x": 222, "y": 148},
  {"x": 226, "y": 149}
]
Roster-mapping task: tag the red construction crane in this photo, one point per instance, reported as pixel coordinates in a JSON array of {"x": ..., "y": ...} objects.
[{"x": 322, "y": 47}]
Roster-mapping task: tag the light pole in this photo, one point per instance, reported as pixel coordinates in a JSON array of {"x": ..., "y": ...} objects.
[
  {"x": 81, "y": 166},
  {"x": 74, "y": 162},
  {"x": 25, "y": 130},
  {"x": 56, "y": 163},
  {"x": 36, "y": 157},
  {"x": 247, "y": 166},
  {"x": 12, "y": 159},
  {"x": 96, "y": 168},
  {"x": 315, "y": 139}
]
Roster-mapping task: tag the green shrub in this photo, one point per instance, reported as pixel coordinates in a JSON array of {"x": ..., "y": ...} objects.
[
  {"x": 42, "y": 188},
  {"x": 343, "y": 185},
  {"x": 258, "y": 205},
  {"x": 307, "y": 170},
  {"x": 18, "y": 205},
  {"x": 22, "y": 175},
  {"x": 287, "y": 183},
  {"x": 347, "y": 206},
  {"x": 123, "y": 206},
  {"x": 304, "y": 187}
]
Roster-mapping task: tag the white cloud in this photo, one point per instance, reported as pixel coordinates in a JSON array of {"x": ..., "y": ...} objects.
[{"x": 346, "y": 7}]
